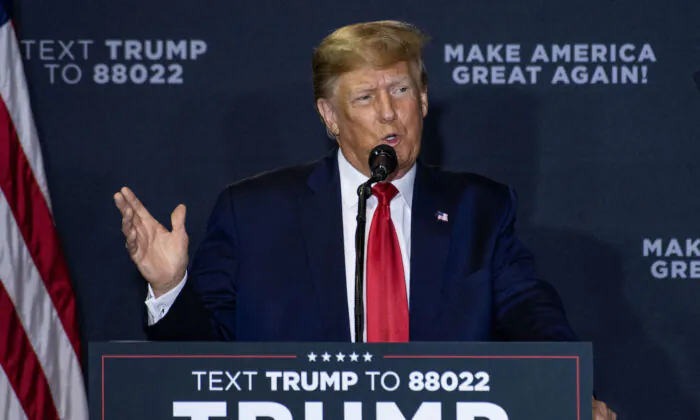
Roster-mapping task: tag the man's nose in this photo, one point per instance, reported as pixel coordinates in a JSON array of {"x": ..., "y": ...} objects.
[{"x": 385, "y": 107}]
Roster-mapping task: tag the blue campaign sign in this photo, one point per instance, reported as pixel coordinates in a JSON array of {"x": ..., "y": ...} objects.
[{"x": 316, "y": 381}]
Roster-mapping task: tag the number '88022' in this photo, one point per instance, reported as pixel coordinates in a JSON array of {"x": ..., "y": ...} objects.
[
  {"x": 448, "y": 381},
  {"x": 138, "y": 74}
]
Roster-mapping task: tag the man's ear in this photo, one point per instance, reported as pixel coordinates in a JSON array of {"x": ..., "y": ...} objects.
[
  {"x": 328, "y": 114},
  {"x": 424, "y": 101}
]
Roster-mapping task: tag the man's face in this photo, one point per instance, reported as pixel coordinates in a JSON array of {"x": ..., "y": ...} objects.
[{"x": 371, "y": 107}]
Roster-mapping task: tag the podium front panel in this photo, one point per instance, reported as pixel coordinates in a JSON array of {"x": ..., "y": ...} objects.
[{"x": 340, "y": 381}]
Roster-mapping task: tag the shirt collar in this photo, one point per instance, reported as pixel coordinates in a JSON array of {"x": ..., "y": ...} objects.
[{"x": 351, "y": 178}]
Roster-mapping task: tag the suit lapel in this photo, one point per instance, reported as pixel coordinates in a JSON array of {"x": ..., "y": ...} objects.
[
  {"x": 430, "y": 244},
  {"x": 322, "y": 228}
]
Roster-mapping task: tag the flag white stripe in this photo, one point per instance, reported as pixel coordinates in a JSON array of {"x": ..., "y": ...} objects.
[
  {"x": 14, "y": 92},
  {"x": 10, "y": 407},
  {"x": 40, "y": 319}
]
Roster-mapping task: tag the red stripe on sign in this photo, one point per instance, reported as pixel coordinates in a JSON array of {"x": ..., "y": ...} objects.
[
  {"x": 475, "y": 357},
  {"x": 21, "y": 365},
  {"x": 34, "y": 219},
  {"x": 195, "y": 356}
]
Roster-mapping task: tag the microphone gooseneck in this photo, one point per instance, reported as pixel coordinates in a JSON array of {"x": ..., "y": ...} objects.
[{"x": 382, "y": 162}]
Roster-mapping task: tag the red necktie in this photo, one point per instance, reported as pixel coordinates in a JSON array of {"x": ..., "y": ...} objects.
[{"x": 387, "y": 305}]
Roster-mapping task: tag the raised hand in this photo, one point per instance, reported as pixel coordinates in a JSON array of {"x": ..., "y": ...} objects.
[{"x": 159, "y": 254}]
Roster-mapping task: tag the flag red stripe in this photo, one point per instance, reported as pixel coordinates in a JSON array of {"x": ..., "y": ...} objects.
[
  {"x": 21, "y": 365},
  {"x": 34, "y": 219}
]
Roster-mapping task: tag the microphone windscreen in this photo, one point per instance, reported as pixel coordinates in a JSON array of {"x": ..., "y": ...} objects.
[{"x": 382, "y": 162}]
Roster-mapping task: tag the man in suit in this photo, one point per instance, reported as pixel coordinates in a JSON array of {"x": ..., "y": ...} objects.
[{"x": 277, "y": 263}]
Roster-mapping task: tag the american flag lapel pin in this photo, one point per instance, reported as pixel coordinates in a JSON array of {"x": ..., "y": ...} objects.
[{"x": 441, "y": 216}]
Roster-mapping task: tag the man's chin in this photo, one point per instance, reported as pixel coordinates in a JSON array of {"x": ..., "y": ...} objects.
[{"x": 402, "y": 169}]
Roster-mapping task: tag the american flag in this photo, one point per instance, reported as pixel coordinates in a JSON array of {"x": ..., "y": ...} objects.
[
  {"x": 41, "y": 376},
  {"x": 441, "y": 216}
]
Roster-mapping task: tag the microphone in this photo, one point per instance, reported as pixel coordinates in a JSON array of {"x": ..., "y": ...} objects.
[{"x": 382, "y": 162}]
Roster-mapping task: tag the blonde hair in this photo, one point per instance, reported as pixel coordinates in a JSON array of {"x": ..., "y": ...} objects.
[{"x": 377, "y": 44}]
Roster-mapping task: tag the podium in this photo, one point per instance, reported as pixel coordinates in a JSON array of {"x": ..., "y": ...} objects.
[{"x": 340, "y": 381}]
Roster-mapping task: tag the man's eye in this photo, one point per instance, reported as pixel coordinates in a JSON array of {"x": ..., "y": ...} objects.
[{"x": 363, "y": 98}]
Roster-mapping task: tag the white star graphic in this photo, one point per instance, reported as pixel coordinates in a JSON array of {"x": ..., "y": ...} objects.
[
  {"x": 312, "y": 357},
  {"x": 326, "y": 357},
  {"x": 340, "y": 357},
  {"x": 354, "y": 356},
  {"x": 368, "y": 357}
]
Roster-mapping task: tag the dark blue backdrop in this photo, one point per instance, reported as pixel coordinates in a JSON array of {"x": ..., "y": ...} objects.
[{"x": 599, "y": 168}]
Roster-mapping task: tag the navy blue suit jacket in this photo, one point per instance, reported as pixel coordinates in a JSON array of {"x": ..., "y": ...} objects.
[{"x": 272, "y": 267}]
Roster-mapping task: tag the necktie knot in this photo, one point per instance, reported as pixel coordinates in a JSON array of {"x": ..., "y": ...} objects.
[{"x": 385, "y": 192}]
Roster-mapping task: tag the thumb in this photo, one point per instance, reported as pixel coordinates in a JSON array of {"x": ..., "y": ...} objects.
[{"x": 177, "y": 218}]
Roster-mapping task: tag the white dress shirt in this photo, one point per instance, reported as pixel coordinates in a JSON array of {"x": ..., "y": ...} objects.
[{"x": 350, "y": 179}]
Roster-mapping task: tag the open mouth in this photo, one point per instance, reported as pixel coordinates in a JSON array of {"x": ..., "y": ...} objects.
[{"x": 392, "y": 139}]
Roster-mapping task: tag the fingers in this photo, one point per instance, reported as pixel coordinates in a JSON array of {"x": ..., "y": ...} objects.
[
  {"x": 121, "y": 203},
  {"x": 134, "y": 230},
  {"x": 602, "y": 412},
  {"x": 130, "y": 200},
  {"x": 133, "y": 212},
  {"x": 132, "y": 242},
  {"x": 177, "y": 218},
  {"x": 131, "y": 221},
  {"x": 127, "y": 222}
]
